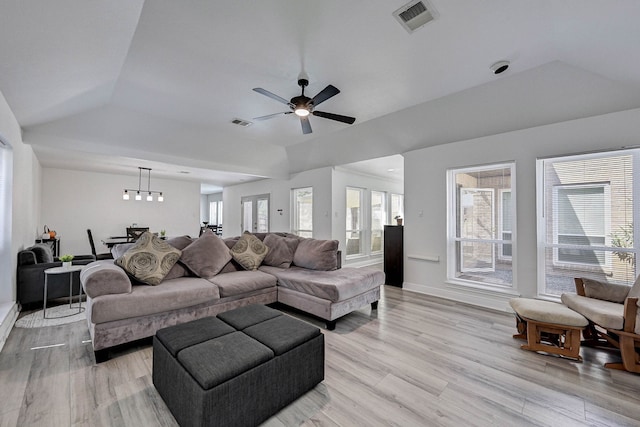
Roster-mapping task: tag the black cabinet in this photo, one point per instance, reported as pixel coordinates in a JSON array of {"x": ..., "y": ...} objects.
[{"x": 393, "y": 255}]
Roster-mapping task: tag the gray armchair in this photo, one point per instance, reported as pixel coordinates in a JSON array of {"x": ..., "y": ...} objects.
[
  {"x": 32, "y": 262},
  {"x": 614, "y": 318}
]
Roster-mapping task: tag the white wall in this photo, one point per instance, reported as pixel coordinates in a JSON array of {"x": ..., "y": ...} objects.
[
  {"x": 20, "y": 210},
  {"x": 280, "y": 198},
  {"x": 25, "y": 204},
  {"x": 73, "y": 201},
  {"x": 425, "y": 191}
]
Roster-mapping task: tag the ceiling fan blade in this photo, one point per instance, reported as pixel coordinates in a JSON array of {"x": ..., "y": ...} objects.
[
  {"x": 325, "y": 94},
  {"x": 306, "y": 125},
  {"x": 338, "y": 117},
  {"x": 272, "y": 95},
  {"x": 270, "y": 116}
]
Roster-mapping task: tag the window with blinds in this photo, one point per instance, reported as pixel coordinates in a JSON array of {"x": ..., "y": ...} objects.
[{"x": 586, "y": 220}]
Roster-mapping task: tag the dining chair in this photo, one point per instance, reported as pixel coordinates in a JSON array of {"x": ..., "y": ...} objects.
[
  {"x": 93, "y": 248},
  {"x": 133, "y": 233}
]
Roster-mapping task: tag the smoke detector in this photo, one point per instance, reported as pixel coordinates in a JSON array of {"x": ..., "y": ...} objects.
[
  {"x": 499, "y": 67},
  {"x": 415, "y": 14}
]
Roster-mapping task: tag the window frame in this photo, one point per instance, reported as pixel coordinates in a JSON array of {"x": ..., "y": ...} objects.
[
  {"x": 383, "y": 219},
  {"x": 295, "y": 217},
  {"x": 454, "y": 260},
  {"x": 607, "y": 227},
  {"x": 589, "y": 271},
  {"x": 361, "y": 226}
]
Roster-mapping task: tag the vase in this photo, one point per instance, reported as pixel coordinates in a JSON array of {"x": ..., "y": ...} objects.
[
  {"x": 399, "y": 221},
  {"x": 66, "y": 264}
]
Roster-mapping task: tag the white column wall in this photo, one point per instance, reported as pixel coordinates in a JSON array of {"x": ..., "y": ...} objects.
[
  {"x": 425, "y": 196},
  {"x": 25, "y": 204},
  {"x": 73, "y": 201},
  {"x": 23, "y": 208}
]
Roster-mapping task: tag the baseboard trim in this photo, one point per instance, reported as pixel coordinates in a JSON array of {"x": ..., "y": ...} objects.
[
  {"x": 8, "y": 317},
  {"x": 492, "y": 301}
]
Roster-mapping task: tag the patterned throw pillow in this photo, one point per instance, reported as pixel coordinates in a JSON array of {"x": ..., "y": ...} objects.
[
  {"x": 150, "y": 259},
  {"x": 249, "y": 251}
]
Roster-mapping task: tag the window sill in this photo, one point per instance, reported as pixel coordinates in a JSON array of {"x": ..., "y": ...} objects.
[{"x": 483, "y": 288}]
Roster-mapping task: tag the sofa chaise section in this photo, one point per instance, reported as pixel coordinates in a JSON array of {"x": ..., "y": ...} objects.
[{"x": 328, "y": 294}]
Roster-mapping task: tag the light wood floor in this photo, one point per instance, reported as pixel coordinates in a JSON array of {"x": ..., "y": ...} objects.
[{"x": 417, "y": 361}]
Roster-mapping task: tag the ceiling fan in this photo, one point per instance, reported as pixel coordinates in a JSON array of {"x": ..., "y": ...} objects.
[{"x": 302, "y": 106}]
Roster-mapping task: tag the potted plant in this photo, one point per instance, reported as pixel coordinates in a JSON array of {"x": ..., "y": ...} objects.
[
  {"x": 163, "y": 234},
  {"x": 398, "y": 219},
  {"x": 66, "y": 260}
]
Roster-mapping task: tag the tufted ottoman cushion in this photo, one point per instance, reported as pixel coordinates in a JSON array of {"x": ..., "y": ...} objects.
[{"x": 237, "y": 369}]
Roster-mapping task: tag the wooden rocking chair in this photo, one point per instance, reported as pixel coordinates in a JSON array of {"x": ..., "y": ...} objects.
[{"x": 604, "y": 329}]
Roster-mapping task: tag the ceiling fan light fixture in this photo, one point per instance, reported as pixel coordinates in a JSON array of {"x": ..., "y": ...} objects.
[{"x": 301, "y": 112}]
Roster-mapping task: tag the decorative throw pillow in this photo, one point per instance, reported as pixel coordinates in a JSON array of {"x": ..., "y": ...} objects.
[
  {"x": 317, "y": 254},
  {"x": 281, "y": 250},
  {"x": 42, "y": 252},
  {"x": 206, "y": 256},
  {"x": 249, "y": 251},
  {"x": 150, "y": 259},
  {"x": 178, "y": 270}
]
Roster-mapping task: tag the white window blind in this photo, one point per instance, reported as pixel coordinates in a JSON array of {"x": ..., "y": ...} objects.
[{"x": 586, "y": 220}]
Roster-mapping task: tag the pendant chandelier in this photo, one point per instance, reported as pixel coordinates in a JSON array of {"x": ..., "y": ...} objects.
[{"x": 139, "y": 191}]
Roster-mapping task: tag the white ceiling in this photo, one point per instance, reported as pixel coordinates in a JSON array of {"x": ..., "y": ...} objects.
[{"x": 110, "y": 85}]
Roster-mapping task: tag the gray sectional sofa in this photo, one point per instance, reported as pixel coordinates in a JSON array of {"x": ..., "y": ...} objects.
[{"x": 306, "y": 275}]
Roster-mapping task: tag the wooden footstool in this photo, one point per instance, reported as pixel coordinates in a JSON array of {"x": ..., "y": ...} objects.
[{"x": 549, "y": 327}]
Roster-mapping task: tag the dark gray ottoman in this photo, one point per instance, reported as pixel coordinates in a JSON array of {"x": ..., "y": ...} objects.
[{"x": 236, "y": 369}]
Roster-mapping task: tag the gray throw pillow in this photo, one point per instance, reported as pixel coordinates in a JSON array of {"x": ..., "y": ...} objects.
[
  {"x": 150, "y": 259},
  {"x": 605, "y": 291},
  {"x": 206, "y": 256},
  {"x": 180, "y": 242},
  {"x": 249, "y": 251},
  {"x": 42, "y": 252},
  {"x": 281, "y": 250},
  {"x": 317, "y": 254},
  {"x": 178, "y": 270}
]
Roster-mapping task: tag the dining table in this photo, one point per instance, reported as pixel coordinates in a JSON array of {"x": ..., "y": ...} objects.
[{"x": 115, "y": 240}]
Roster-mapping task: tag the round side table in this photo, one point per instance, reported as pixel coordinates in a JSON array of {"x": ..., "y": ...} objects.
[{"x": 63, "y": 270}]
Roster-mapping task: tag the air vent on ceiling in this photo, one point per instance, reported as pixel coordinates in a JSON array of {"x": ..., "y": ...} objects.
[
  {"x": 241, "y": 122},
  {"x": 415, "y": 14}
]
